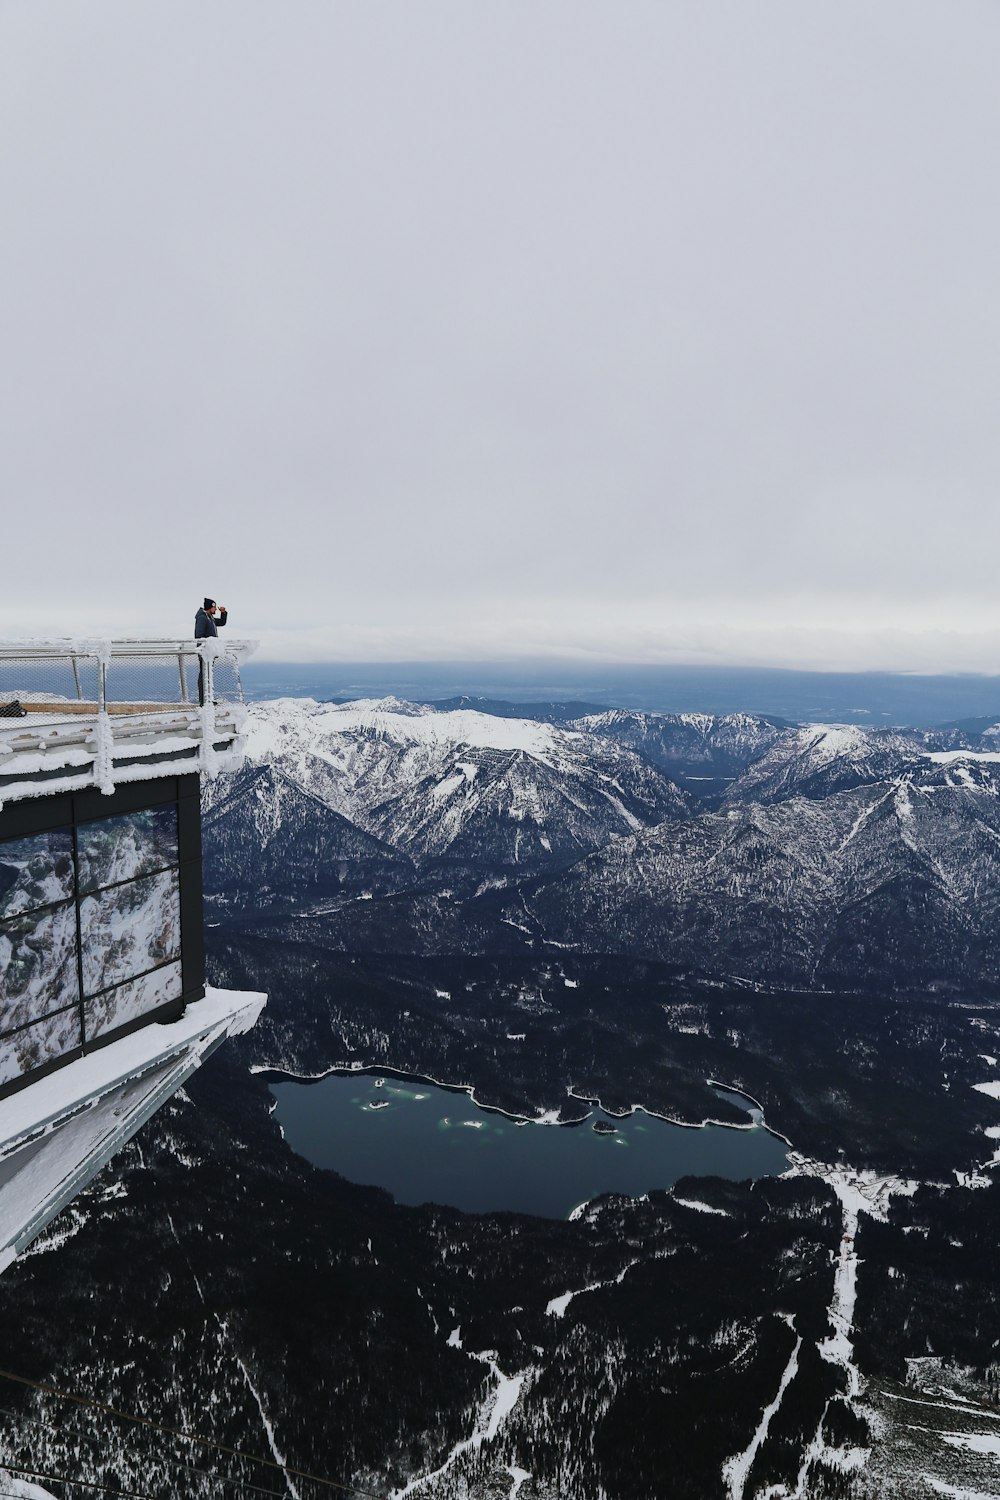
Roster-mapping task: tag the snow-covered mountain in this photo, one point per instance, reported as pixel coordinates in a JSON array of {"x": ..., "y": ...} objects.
[
  {"x": 689, "y": 737},
  {"x": 750, "y": 758},
  {"x": 464, "y": 789},
  {"x": 703, "y": 752},
  {"x": 893, "y": 883},
  {"x": 841, "y": 857},
  {"x": 273, "y": 844},
  {"x": 819, "y": 759}
]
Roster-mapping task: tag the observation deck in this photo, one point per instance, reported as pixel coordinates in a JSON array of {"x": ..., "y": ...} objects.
[
  {"x": 104, "y": 1007},
  {"x": 98, "y": 713}
]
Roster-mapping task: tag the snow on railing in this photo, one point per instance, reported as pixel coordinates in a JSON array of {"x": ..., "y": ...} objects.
[{"x": 101, "y": 710}]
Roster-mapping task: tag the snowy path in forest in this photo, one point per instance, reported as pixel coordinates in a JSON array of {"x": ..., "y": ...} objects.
[
  {"x": 857, "y": 1192},
  {"x": 491, "y": 1416},
  {"x": 736, "y": 1470},
  {"x": 556, "y": 1306}
]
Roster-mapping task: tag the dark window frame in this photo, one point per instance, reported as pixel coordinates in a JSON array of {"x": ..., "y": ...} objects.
[
  {"x": 43, "y": 1015},
  {"x": 14, "y": 1085},
  {"x": 95, "y": 895},
  {"x": 165, "y": 963},
  {"x": 110, "y": 885},
  {"x": 73, "y": 810}
]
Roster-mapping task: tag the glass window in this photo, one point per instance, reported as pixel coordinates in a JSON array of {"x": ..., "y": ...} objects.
[
  {"x": 123, "y": 848},
  {"x": 35, "y": 871},
  {"x": 127, "y": 1002},
  {"x": 38, "y": 972},
  {"x": 102, "y": 902},
  {"x": 129, "y": 929},
  {"x": 34, "y": 1046}
]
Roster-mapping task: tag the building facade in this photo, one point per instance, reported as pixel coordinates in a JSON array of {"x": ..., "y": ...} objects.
[{"x": 104, "y": 1009}]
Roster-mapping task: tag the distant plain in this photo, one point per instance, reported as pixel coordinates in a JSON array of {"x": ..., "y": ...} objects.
[{"x": 870, "y": 698}]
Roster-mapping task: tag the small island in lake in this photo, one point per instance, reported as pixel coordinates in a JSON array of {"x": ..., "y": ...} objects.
[{"x": 604, "y": 1127}]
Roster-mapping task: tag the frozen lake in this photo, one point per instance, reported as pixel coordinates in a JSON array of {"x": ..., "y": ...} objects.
[{"x": 427, "y": 1144}]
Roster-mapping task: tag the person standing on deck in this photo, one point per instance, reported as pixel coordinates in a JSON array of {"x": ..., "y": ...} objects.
[
  {"x": 206, "y": 626},
  {"x": 205, "y": 623}
]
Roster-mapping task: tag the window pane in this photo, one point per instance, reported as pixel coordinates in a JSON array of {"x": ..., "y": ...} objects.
[
  {"x": 39, "y": 1044},
  {"x": 35, "y": 871},
  {"x": 130, "y": 1001},
  {"x": 126, "y": 847},
  {"x": 129, "y": 929},
  {"x": 37, "y": 965}
]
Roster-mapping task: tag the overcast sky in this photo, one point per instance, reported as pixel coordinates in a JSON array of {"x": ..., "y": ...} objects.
[{"x": 659, "y": 330}]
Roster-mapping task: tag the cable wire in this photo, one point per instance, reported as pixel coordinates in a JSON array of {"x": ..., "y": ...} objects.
[
  {"x": 191, "y": 1437},
  {"x": 160, "y": 1457},
  {"x": 108, "y": 1489}
]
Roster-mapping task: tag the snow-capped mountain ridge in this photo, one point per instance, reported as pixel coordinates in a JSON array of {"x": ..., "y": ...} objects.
[
  {"x": 817, "y": 760},
  {"x": 480, "y": 791},
  {"x": 826, "y": 837},
  {"x": 703, "y": 752},
  {"x": 274, "y": 723}
]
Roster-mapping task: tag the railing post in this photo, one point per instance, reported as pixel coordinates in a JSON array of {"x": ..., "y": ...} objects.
[
  {"x": 183, "y": 676},
  {"x": 76, "y": 676},
  {"x": 209, "y": 764},
  {"x": 104, "y": 769}
]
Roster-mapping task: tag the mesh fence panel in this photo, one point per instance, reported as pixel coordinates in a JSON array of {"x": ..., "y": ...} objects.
[
  {"x": 146, "y": 681},
  {"x": 55, "y": 689},
  {"x": 226, "y": 684},
  {"x": 44, "y": 689},
  {"x": 189, "y": 679}
]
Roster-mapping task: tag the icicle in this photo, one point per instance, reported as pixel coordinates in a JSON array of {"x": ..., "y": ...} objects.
[{"x": 104, "y": 770}]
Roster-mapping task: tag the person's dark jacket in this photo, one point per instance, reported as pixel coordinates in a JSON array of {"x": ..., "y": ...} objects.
[{"x": 206, "y": 625}]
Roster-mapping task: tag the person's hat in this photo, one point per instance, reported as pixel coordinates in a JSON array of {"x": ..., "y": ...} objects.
[{"x": 208, "y": 604}]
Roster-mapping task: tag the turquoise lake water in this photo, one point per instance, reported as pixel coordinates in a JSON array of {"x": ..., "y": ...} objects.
[{"x": 427, "y": 1144}]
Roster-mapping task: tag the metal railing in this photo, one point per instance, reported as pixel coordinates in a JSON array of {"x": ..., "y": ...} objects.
[{"x": 105, "y": 696}]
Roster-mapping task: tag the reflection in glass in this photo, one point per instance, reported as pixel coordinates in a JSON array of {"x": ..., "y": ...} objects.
[
  {"x": 37, "y": 965},
  {"x": 36, "y": 1045},
  {"x": 129, "y": 1001},
  {"x": 125, "y": 847},
  {"x": 35, "y": 871},
  {"x": 129, "y": 929}
]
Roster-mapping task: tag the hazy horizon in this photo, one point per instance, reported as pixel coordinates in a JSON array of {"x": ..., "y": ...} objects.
[{"x": 875, "y": 698}]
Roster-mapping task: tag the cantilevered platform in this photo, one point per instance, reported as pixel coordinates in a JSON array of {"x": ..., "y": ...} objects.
[{"x": 55, "y": 1135}]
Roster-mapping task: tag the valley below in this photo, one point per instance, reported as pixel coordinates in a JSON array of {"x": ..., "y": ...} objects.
[{"x": 547, "y": 915}]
